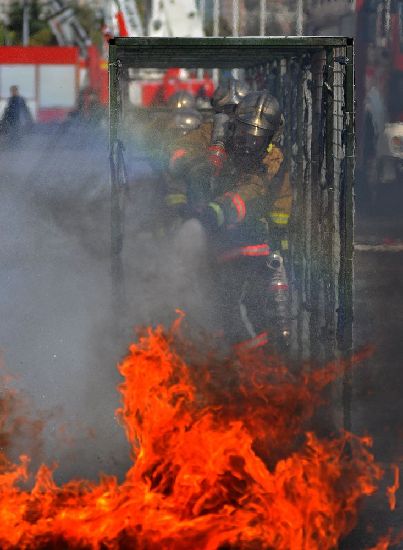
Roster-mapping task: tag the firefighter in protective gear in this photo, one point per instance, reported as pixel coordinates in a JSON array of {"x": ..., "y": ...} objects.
[
  {"x": 161, "y": 128},
  {"x": 253, "y": 211},
  {"x": 171, "y": 125},
  {"x": 176, "y": 125},
  {"x": 248, "y": 211},
  {"x": 181, "y": 122},
  {"x": 252, "y": 165},
  {"x": 263, "y": 188},
  {"x": 209, "y": 139},
  {"x": 182, "y": 100}
]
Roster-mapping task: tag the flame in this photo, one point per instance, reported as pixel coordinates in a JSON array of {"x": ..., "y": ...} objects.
[
  {"x": 391, "y": 491},
  {"x": 221, "y": 459}
]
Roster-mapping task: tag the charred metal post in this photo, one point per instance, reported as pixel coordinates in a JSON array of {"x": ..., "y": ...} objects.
[
  {"x": 329, "y": 266},
  {"x": 297, "y": 222},
  {"x": 314, "y": 254},
  {"x": 345, "y": 313}
]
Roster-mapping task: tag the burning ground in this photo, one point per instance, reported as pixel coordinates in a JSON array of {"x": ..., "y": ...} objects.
[
  {"x": 56, "y": 337},
  {"x": 223, "y": 457}
]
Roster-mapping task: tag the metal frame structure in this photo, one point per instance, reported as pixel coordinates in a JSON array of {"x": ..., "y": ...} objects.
[{"x": 313, "y": 77}]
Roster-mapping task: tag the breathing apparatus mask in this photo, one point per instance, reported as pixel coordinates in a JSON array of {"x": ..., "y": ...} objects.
[
  {"x": 247, "y": 145},
  {"x": 257, "y": 119}
]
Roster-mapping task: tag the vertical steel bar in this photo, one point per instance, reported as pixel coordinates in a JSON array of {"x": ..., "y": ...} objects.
[
  {"x": 216, "y": 17},
  {"x": 235, "y": 17},
  {"x": 297, "y": 227},
  {"x": 315, "y": 270},
  {"x": 203, "y": 13},
  {"x": 387, "y": 18},
  {"x": 305, "y": 317},
  {"x": 263, "y": 13},
  {"x": 345, "y": 310},
  {"x": 328, "y": 221},
  {"x": 300, "y": 18},
  {"x": 25, "y": 22},
  {"x": 216, "y": 32}
]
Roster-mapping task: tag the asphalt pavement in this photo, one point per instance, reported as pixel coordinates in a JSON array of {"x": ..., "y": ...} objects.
[{"x": 377, "y": 403}]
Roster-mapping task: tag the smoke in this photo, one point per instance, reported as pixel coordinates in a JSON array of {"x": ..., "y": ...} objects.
[{"x": 57, "y": 329}]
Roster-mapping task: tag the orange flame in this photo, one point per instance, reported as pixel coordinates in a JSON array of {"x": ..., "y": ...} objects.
[
  {"x": 391, "y": 491},
  {"x": 205, "y": 476}
]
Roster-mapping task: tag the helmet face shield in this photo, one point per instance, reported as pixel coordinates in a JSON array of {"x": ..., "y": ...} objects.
[{"x": 249, "y": 144}]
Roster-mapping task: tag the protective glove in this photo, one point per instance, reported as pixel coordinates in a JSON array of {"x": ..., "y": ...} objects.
[
  {"x": 198, "y": 184},
  {"x": 210, "y": 216}
]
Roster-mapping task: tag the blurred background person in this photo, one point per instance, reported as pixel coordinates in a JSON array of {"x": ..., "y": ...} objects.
[{"x": 17, "y": 118}]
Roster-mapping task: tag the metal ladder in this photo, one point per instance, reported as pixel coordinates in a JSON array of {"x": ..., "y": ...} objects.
[{"x": 132, "y": 17}]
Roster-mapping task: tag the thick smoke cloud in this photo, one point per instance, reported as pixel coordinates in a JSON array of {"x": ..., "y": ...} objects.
[{"x": 57, "y": 330}]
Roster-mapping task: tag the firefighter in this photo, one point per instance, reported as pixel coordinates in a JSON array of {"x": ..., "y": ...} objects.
[
  {"x": 181, "y": 100},
  {"x": 247, "y": 211},
  {"x": 177, "y": 124},
  {"x": 180, "y": 124},
  {"x": 209, "y": 138},
  {"x": 263, "y": 185},
  {"x": 165, "y": 127},
  {"x": 182, "y": 118},
  {"x": 253, "y": 211}
]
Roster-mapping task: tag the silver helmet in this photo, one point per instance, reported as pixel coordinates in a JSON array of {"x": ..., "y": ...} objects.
[
  {"x": 182, "y": 100},
  {"x": 185, "y": 120},
  {"x": 229, "y": 94},
  {"x": 261, "y": 114}
]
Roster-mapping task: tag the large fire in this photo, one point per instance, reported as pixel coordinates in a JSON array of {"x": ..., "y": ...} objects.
[{"x": 222, "y": 459}]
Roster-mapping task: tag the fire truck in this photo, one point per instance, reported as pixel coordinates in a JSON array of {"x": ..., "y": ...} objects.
[
  {"x": 162, "y": 18},
  {"x": 122, "y": 18},
  {"x": 51, "y": 78}
]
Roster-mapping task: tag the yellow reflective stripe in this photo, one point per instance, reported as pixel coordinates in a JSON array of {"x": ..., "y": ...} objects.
[
  {"x": 279, "y": 218},
  {"x": 284, "y": 244},
  {"x": 174, "y": 199},
  {"x": 218, "y": 212},
  {"x": 270, "y": 148}
]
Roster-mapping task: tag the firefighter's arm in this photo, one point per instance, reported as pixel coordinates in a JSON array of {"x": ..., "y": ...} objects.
[
  {"x": 189, "y": 195},
  {"x": 183, "y": 152},
  {"x": 176, "y": 199},
  {"x": 232, "y": 208}
]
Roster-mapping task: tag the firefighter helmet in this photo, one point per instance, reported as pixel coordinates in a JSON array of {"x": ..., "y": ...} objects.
[
  {"x": 182, "y": 100},
  {"x": 185, "y": 120},
  {"x": 229, "y": 94},
  {"x": 261, "y": 114}
]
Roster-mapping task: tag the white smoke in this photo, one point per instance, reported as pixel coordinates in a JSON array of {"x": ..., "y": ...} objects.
[{"x": 57, "y": 327}]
